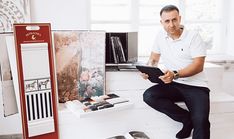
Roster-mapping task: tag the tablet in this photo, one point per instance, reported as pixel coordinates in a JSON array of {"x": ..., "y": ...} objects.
[{"x": 153, "y": 73}]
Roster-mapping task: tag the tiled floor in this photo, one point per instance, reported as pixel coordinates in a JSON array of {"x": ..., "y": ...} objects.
[{"x": 17, "y": 136}]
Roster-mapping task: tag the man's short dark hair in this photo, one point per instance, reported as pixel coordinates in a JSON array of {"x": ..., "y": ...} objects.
[{"x": 169, "y": 8}]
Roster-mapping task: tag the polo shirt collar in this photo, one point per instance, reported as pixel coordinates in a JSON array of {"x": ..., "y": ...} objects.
[{"x": 181, "y": 36}]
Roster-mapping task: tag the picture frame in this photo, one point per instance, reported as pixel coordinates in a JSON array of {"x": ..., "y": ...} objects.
[{"x": 8, "y": 95}]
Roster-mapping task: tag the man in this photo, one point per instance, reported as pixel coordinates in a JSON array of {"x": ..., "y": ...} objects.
[{"x": 183, "y": 53}]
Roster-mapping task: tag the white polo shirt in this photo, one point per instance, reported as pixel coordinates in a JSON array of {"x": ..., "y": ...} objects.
[{"x": 178, "y": 54}]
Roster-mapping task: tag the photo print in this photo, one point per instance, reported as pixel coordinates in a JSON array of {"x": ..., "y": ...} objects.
[
  {"x": 7, "y": 87},
  {"x": 80, "y": 64}
]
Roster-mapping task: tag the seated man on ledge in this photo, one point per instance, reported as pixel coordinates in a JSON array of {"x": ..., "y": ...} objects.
[{"x": 183, "y": 53}]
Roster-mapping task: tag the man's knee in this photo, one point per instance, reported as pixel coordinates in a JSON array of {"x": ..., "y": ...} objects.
[
  {"x": 152, "y": 93},
  {"x": 147, "y": 96}
]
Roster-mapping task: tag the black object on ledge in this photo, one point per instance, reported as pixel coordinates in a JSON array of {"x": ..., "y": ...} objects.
[{"x": 121, "y": 50}]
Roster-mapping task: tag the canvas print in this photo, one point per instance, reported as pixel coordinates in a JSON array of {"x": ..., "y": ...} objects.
[
  {"x": 13, "y": 11},
  {"x": 7, "y": 87},
  {"x": 80, "y": 64}
]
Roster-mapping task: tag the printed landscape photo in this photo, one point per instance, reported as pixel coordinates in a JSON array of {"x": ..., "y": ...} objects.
[{"x": 80, "y": 64}]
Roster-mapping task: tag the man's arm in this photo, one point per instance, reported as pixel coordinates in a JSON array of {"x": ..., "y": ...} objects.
[
  {"x": 194, "y": 68},
  {"x": 153, "y": 59}
]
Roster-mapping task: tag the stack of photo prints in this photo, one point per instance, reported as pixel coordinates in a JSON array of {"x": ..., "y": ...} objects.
[
  {"x": 98, "y": 104},
  {"x": 102, "y": 102}
]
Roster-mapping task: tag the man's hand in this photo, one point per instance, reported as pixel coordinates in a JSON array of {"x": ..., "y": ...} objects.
[
  {"x": 144, "y": 76},
  {"x": 167, "y": 77}
]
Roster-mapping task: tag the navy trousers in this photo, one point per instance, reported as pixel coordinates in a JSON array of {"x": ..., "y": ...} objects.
[{"x": 162, "y": 97}]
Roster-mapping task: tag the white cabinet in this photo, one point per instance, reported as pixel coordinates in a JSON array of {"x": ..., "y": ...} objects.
[{"x": 129, "y": 84}]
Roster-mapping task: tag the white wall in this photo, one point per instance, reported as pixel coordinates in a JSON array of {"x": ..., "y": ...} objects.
[
  {"x": 230, "y": 29},
  {"x": 75, "y": 15},
  {"x": 63, "y": 15}
]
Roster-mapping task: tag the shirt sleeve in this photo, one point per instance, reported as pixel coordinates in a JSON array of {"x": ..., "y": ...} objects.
[{"x": 197, "y": 46}]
